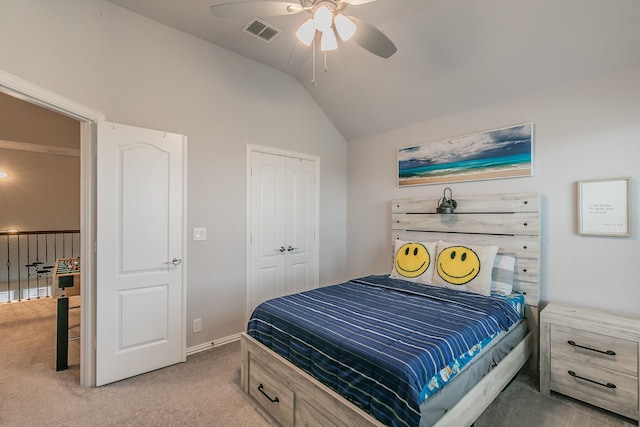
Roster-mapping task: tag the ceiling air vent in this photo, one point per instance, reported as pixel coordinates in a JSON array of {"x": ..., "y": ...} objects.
[{"x": 261, "y": 30}]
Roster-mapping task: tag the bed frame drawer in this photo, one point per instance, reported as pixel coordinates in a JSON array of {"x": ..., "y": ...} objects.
[
  {"x": 273, "y": 395},
  {"x": 601, "y": 350},
  {"x": 599, "y": 386}
]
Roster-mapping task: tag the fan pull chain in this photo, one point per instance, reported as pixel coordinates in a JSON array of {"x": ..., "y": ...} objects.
[
  {"x": 325, "y": 68},
  {"x": 313, "y": 63}
]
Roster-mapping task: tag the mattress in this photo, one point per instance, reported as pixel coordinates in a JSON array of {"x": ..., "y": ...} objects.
[{"x": 381, "y": 342}]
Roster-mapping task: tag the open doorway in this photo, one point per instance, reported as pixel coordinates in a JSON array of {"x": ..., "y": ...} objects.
[
  {"x": 40, "y": 166},
  {"x": 91, "y": 122},
  {"x": 88, "y": 118}
]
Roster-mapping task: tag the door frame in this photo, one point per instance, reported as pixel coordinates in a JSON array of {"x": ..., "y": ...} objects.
[
  {"x": 251, "y": 148},
  {"x": 88, "y": 118}
]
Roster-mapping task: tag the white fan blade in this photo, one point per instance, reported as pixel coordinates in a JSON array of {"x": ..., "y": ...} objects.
[
  {"x": 357, "y": 2},
  {"x": 255, "y": 8},
  {"x": 372, "y": 39}
]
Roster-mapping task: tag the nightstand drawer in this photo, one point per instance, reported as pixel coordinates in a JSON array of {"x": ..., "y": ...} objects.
[
  {"x": 273, "y": 395},
  {"x": 599, "y": 386},
  {"x": 601, "y": 350}
]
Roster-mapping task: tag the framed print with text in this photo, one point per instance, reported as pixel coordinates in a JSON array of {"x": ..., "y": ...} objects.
[{"x": 604, "y": 207}]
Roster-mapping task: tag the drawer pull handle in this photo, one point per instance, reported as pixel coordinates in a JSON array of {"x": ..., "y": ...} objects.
[
  {"x": 276, "y": 400},
  {"x": 607, "y": 385},
  {"x": 608, "y": 352}
]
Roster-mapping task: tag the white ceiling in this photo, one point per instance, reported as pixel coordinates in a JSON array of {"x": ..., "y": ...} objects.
[{"x": 453, "y": 55}]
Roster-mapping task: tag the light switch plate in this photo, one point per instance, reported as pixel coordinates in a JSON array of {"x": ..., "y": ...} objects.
[{"x": 199, "y": 234}]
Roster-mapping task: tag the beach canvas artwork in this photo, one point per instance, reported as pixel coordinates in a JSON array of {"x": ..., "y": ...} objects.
[{"x": 500, "y": 153}]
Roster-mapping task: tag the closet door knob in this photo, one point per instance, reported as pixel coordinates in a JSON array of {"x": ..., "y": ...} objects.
[
  {"x": 282, "y": 249},
  {"x": 291, "y": 249}
]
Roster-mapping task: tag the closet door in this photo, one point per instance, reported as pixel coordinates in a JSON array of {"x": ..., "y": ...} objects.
[
  {"x": 282, "y": 235},
  {"x": 267, "y": 277},
  {"x": 300, "y": 223}
]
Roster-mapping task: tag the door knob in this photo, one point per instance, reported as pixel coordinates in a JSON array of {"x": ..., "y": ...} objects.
[
  {"x": 175, "y": 261},
  {"x": 291, "y": 249},
  {"x": 282, "y": 249}
]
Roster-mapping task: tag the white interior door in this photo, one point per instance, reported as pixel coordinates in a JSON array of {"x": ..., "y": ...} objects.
[
  {"x": 300, "y": 225},
  {"x": 282, "y": 253},
  {"x": 268, "y": 250},
  {"x": 140, "y": 309}
]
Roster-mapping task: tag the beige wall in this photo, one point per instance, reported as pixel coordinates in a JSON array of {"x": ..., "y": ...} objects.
[
  {"x": 41, "y": 191},
  {"x": 588, "y": 130},
  {"x": 139, "y": 72}
]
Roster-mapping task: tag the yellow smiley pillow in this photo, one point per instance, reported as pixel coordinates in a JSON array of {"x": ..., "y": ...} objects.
[
  {"x": 414, "y": 261},
  {"x": 464, "y": 267}
]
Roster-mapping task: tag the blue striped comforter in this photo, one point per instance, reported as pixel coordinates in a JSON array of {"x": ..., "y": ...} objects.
[{"x": 378, "y": 341}]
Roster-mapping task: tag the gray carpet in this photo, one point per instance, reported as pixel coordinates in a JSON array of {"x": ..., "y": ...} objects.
[
  {"x": 522, "y": 405},
  {"x": 204, "y": 391}
]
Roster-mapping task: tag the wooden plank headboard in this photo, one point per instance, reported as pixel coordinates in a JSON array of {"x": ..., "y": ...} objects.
[{"x": 509, "y": 221}]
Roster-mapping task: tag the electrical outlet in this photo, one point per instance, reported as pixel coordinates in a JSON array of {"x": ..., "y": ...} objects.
[{"x": 197, "y": 325}]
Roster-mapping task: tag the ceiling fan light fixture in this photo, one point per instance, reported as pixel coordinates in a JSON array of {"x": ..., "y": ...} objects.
[
  {"x": 345, "y": 27},
  {"x": 328, "y": 41},
  {"x": 323, "y": 19},
  {"x": 306, "y": 32}
]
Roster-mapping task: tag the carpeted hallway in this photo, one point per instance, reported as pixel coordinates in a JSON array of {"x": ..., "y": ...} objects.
[{"x": 204, "y": 391}]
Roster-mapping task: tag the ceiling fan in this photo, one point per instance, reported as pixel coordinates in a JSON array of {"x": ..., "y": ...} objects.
[{"x": 326, "y": 18}]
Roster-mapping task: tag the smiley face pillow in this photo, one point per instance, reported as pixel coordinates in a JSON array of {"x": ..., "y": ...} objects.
[
  {"x": 414, "y": 261},
  {"x": 464, "y": 267}
]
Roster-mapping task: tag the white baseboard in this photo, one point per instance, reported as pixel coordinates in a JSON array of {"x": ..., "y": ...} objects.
[
  {"x": 198, "y": 348},
  {"x": 209, "y": 345},
  {"x": 226, "y": 340}
]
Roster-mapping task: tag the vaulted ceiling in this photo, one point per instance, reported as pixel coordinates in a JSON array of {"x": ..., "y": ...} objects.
[{"x": 453, "y": 55}]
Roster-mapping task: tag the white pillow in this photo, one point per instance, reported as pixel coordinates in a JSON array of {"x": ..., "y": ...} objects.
[
  {"x": 502, "y": 274},
  {"x": 414, "y": 261},
  {"x": 464, "y": 267}
]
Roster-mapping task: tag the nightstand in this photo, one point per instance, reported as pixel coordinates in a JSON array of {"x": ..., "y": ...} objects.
[{"x": 590, "y": 355}]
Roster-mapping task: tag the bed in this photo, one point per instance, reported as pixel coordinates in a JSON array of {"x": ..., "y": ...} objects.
[{"x": 295, "y": 392}]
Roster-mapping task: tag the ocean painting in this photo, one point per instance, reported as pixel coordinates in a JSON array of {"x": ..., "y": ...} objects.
[{"x": 500, "y": 153}]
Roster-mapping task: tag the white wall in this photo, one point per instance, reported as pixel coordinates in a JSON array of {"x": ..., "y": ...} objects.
[
  {"x": 140, "y": 72},
  {"x": 588, "y": 130}
]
